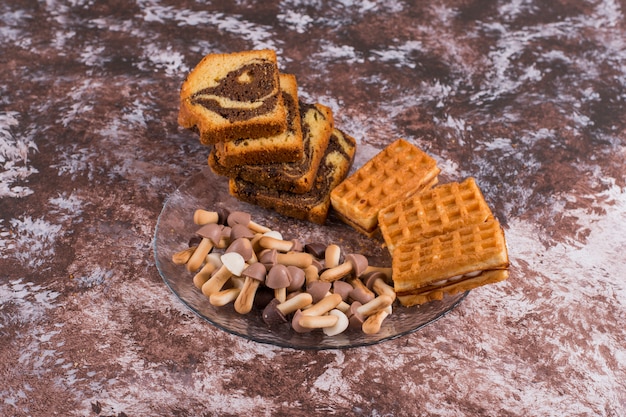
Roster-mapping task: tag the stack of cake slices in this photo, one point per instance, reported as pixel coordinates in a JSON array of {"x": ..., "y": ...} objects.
[
  {"x": 277, "y": 151},
  {"x": 443, "y": 239}
]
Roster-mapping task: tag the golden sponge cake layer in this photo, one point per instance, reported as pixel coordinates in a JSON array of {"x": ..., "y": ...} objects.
[
  {"x": 313, "y": 205},
  {"x": 432, "y": 212},
  {"x": 230, "y": 96},
  {"x": 284, "y": 147},
  {"x": 441, "y": 263},
  {"x": 397, "y": 172}
]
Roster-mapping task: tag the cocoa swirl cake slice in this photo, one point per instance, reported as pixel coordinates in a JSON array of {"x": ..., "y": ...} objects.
[
  {"x": 230, "y": 96},
  {"x": 313, "y": 205},
  {"x": 284, "y": 147},
  {"x": 295, "y": 177}
]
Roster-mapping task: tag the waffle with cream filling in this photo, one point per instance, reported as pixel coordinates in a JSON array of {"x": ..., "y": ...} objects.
[{"x": 460, "y": 260}]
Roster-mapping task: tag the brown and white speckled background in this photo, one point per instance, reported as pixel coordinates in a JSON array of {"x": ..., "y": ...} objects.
[{"x": 528, "y": 96}]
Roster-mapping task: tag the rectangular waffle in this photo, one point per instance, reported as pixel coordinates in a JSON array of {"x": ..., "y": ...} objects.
[
  {"x": 460, "y": 260},
  {"x": 397, "y": 172},
  {"x": 295, "y": 177},
  {"x": 284, "y": 147},
  {"x": 231, "y": 96},
  {"x": 313, "y": 205},
  {"x": 436, "y": 211}
]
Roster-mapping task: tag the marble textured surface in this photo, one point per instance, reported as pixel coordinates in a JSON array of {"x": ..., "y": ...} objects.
[{"x": 527, "y": 96}]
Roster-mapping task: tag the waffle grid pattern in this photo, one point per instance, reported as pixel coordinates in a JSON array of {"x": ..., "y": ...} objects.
[
  {"x": 399, "y": 169},
  {"x": 442, "y": 209},
  {"x": 470, "y": 246}
]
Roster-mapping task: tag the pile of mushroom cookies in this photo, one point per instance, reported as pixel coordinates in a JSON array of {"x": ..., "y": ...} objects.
[{"x": 312, "y": 286}]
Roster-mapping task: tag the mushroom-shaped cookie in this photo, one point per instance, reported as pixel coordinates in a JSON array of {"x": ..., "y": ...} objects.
[
  {"x": 263, "y": 297},
  {"x": 318, "y": 290},
  {"x": 316, "y": 249},
  {"x": 356, "y": 319},
  {"x": 243, "y": 247},
  {"x": 359, "y": 313},
  {"x": 360, "y": 292},
  {"x": 202, "y": 217},
  {"x": 212, "y": 263},
  {"x": 374, "y": 322},
  {"x": 211, "y": 234},
  {"x": 323, "y": 306},
  {"x": 340, "y": 326},
  {"x": 239, "y": 231},
  {"x": 270, "y": 257},
  {"x": 298, "y": 278},
  {"x": 278, "y": 279},
  {"x": 354, "y": 265},
  {"x": 276, "y": 312},
  {"x": 342, "y": 288},
  {"x": 377, "y": 304},
  {"x": 375, "y": 281},
  {"x": 232, "y": 264},
  {"x": 302, "y": 323},
  {"x": 183, "y": 256},
  {"x": 240, "y": 217},
  {"x": 318, "y": 322},
  {"x": 332, "y": 256},
  {"x": 270, "y": 242},
  {"x": 254, "y": 276},
  {"x": 312, "y": 273},
  {"x": 228, "y": 295}
]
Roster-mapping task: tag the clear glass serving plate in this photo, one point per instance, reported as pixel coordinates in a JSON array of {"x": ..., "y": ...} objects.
[{"x": 206, "y": 190}]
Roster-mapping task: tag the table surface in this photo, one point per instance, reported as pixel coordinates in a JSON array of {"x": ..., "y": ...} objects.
[{"x": 528, "y": 97}]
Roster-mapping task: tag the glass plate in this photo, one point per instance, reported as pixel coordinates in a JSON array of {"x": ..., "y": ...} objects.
[{"x": 206, "y": 190}]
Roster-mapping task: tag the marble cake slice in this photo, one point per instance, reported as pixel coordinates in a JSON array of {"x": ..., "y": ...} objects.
[
  {"x": 231, "y": 96},
  {"x": 285, "y": 147},
  {"x": 295, "y": 177},
  {"x": 313, "y": 205}
]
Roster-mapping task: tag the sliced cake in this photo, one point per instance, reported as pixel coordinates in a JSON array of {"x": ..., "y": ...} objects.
[
  {"x": 231, "y": 96},
  {"x": 284, "y": 147},
  {"x": 295, "y": 177},
  {"x": 313, "y": 205}
]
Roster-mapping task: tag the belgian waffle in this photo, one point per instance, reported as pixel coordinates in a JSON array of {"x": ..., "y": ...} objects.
[
  {"x": 463, "y": 259},
  {"x": 397, "y": 172},
  {"x": 284, "y": 147},
  {"x": 295, "y": 177},
  {"x": 231, "y": 96},
  {"x": 436, "y": 211},
  {"x": 313, "y": 205}
]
